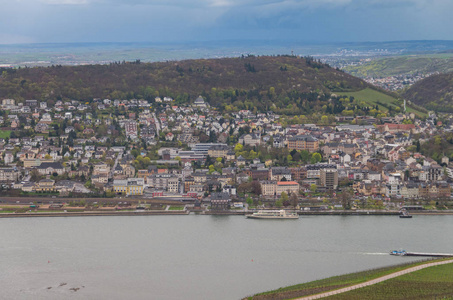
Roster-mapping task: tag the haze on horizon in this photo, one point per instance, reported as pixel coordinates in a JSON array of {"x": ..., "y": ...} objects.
[{"x": 173, "y": 21}]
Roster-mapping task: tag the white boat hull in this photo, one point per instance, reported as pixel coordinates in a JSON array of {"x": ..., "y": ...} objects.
[{"x": 273, "y": 217}]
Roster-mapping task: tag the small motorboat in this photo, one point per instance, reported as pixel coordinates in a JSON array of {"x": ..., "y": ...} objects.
[
  {"x": 405, "y": 214},
  {"x": 398, "y": 252}
]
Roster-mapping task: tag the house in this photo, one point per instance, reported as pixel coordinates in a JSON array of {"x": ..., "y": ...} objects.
[
  {"x": 169, "y": 136},
  {"x": 280, "y": 173},
  {"x": 9, "y": 157},
  {"x": 129, "y": 187},
  {"x": 268, "y": 187},
  {"x": 288, "y": 187},
  {"x": 131, "y": 129},
  {"x": 199, "y": 102},
  {"x": 42, "y": 127},
  {"x": 303, "y": 142},
  {"x": 393, "y": 128},
  {"x": 49, "y": 168},
  {"x": 99, "y": 179},
  {"x": 240, "y": 161},
  {"x": 231, "y": 190},
  {"x": 45, "y": 185},
  {"x": 9, "y": 174},
  {"x": 173, "y": 185},
  {"x": 218, "y": 151},
  {"x": 220, "y": 201},
  {"x": 65, "y": 186},
  {"x": 250, "y": 139}
]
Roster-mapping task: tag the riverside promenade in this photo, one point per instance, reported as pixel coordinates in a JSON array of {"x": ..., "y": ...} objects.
[{"x": 377, "y": 280}]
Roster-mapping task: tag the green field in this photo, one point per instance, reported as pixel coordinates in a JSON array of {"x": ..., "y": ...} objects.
[
  {"x": 430, "y": 283},
  {"x": 372, "y": 97},
  {"x": 337, "y": 282},
  {"x": 5, "y": 134},
  {"x": 173, "y": 207}
]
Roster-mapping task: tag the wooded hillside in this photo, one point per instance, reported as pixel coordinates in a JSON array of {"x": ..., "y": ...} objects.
[
  {"x": 434, "y": 92},
  {"x": 237, "y": 82}
]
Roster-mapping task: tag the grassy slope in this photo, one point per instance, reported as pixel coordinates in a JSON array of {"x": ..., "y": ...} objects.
[
  {"x": 403, "y": 65},
  {"x": 372, "y": 97},
  {"x": 332, "y": 283},
  {"x": 431, "y": 283}
]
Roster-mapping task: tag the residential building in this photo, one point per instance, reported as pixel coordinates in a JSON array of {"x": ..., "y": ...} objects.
[
  {"x": 268, "y": 187},
  {"x": 129, "y": 187},
  {"x": 9, "y": 174},
  {"x": 329, "y": 178},
  {"x": 288, "y": 187},
  {"x": 303, "y": 142},
  {"x": 220, "y": 201}
]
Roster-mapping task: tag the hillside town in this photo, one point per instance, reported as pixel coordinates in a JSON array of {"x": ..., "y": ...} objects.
[
  {"x": 132, "y": 148},
  {"x": 397, "y": 82}
]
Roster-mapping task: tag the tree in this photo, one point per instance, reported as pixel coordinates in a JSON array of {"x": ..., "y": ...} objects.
[
  {"x": 345, "y": 199},
  {"x": 238, "y": 147},
  {"x": 34, "y": 175},
  {"x": 412, "y": 148},
  {"x": 283, "y": 197},
  {"x": 315, "y": 158},
  {"x": 304, "y": 156},
  {"x": 289, "y": 158},
  {"x": 313, "y": 188},
  {"x": 249, "y": 201},
  {"x": 294, "y": 200},
  {"x": 256, "y": 187}
]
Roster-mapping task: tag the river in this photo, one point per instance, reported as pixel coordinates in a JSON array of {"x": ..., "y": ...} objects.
[{"x": 199, "y": 257}]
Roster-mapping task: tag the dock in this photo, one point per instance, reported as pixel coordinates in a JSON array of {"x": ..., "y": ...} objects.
[{"x": 428, "y": 254}]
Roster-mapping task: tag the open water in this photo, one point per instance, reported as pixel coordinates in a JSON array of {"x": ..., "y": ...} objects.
[{"x": 199, "y": 257}]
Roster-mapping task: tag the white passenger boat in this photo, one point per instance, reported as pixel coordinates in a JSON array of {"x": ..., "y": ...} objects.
[{"x": 273, "y": 214}]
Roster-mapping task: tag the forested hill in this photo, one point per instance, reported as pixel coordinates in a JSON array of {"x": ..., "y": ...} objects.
[
  {"x": 434, "y": 92},
  {"x": 237, "y": 82}
]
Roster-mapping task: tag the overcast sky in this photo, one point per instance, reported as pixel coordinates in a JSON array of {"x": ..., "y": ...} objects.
[{"x": 163, "y": 21}]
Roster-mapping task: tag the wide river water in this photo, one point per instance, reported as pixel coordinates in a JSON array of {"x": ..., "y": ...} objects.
[{"x": 197, "y": 256}]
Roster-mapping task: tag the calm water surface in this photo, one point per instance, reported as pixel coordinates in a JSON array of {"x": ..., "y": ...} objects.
[{"x": 199, "y": 257}]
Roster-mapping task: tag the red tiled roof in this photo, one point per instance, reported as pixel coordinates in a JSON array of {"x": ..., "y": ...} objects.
[{"x": 287, "y": 183}]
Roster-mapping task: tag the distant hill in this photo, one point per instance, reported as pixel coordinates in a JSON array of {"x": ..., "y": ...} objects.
[
  {"x": 434, "y": 92},
  {"x": 261, "y": 81},
  {"x": 403, "y": 65}
]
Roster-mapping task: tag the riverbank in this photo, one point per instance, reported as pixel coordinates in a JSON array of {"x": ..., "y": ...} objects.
[
  {"x": 98, "y": 213},
  {"x": 92, "y": 214},
  {"x": 360, "y": 285}
]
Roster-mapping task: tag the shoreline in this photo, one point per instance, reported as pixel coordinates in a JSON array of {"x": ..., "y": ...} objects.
[
  {"x": 334, "y": 285},
  {"x": 207, "y": 213},
  {"x": 91, "y": 214}
]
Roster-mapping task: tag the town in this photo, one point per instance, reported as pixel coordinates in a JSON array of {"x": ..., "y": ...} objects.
[{"x": 121, "y": 150}]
